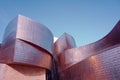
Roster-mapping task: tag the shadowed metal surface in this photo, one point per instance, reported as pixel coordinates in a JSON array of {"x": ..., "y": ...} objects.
[
  {"x": 65, "y": 42},
  {"x": 0, "y": 48},
  {"x": 96, "y": 61},
  {"x": 8, "y": 43},
  {"x": 27, "y": 42}
]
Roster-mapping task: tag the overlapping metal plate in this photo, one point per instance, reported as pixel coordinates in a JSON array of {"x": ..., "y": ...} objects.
[
  {"x": 35, "y": 33},
  {"x": 65, "y": 42},
  {"x": 96, "y": 61},
  {"x": 27, "y": 42},
  {"x": 27, "y": 52}
]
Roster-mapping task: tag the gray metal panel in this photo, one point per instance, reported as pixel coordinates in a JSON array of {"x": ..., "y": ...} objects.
[
  {"x": 9, "y": 42},
  {"x": 34, "y": 32}
]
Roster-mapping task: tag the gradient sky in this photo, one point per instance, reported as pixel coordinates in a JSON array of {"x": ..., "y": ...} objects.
[{"x": 86, "y": 20}]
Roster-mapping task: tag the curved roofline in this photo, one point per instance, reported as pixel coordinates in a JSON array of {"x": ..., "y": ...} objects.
[
  {"x": 74, "y": 55},
  {"x": 111, "y": 38}
]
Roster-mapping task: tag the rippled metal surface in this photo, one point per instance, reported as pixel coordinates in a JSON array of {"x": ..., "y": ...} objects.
[
  {"x": 74, "y": 55},
  {"x": 33, "y": 55},
  {"x": 65, "y": 42},
  {"x": 103, "y": 66},
  {"x": 28, "y": 52},
  {"x": 76, "y": 62},
  {"x": 27, "y": 42},
  {"x": 34, "y": 32},
  {"x": 8, "y": 43}
]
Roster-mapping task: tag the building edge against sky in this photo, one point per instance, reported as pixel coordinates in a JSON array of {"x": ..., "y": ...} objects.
[
  {"x": 30, "y": 44},
  {"x": 96, "y": 61}
]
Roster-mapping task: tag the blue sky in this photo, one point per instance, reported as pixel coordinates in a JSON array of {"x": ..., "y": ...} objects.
[{"x": 86, "y": 20}]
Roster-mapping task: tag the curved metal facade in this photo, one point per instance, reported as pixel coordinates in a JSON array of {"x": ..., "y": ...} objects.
[
  {"x": 27, "y": 42},
  {"x": 85, "y": 60},
  {"x": 27, "y": 52},
  {"x": 21, "y": 72},
  {"x": 103, "y": 66},
  {"x": 65, "y": 42},
  {"x": 35, "y": 33}
]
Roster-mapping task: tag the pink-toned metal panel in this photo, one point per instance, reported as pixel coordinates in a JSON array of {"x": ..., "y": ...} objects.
[
  {"x": 75, "y": 55},
  {"x": 21, "y": 72},
  {"x": 103, "y": 66},
  {"x": 8, "y": 44},
  {"x": 28, "y": 54},
  {"x": 27, "y": 42},
  {"x": 36, "y": 33},
  {"x": 63, "y": 43}
]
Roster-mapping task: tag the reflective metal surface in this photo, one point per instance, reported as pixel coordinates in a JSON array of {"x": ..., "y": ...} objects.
[
  {"x": 103, "y": 66},
  {"x": 33, "y": 55},
  {"x": 74, "y": 55},
  {"x": 65, "y": 42},
  {"x": 27, "y": 52},
  {"x": 21, "y": 72},
  {"x": 27, "y": 42},
  {"x": 82, "y": 63},
  {"x": 8, "y": 43},
  {"x": 35, "y": 33}
]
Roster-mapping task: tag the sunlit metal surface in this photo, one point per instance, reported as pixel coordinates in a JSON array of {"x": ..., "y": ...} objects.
[
  {"x": 65, "y": 42},
  {"x": 103, "y": 66},
  {"x": 80, "y": 63},
  {"x": 35, "y": 33},
  {"x": 27, "y": 42},
  {"x": 21, "y": 72},
  {"x": 74, "y": 55},
  {"x": 27, "y": 52},
  {"x": 34, "y": 55}
]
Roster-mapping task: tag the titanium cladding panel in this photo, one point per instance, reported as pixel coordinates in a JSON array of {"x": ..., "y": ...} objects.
[
  {"x": 104, "y": 66},
  {"x": 72, "y": 56},
  {"x": 82, "y": 63},
  {"x": 65, "y": 42},
  {"x": 8, "y": 44},
  {"x": 27, "y": 42},
  {"x": 35, "y": 33},
  {"x": 21, "y": 72},
  {"x": 30, "y": 43}
]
